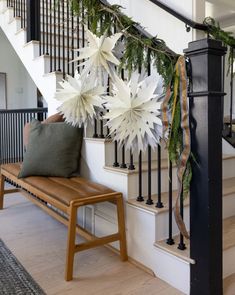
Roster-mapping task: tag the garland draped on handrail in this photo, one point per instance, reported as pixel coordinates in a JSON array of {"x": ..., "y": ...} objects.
[{"x": 141, "y": 48}]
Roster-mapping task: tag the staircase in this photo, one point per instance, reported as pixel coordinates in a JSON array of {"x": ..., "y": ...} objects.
[
  {"x": 46, "y": 60},
  {"x": 148, "y": 227}
]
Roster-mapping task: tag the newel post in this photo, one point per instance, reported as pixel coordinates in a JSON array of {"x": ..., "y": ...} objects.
[
  {"x": 33, "y": 20},
  {"x": 206, "y": 187}
]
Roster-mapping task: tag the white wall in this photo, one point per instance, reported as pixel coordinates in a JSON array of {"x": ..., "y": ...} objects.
[
  {"x": 21, "y": 91},
  {"x": 160, "y": 23}
]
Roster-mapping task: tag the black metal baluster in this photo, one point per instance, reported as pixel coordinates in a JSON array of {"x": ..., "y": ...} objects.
[
  {"x": 55, "y": 37},
  {"x": 95, "y": 135},
  {"x": 47, "y": 28},
  {"x": 149, "y": 200},
  {"x": 59, "y": 37},
  {"x": 182, "y": 245},
  {"x": 159, "y": 173},
  {"x": 131, "y": 166},
  {"x": 51, "y": 51},
  {"x": 101, "y": 135},
  {"x": 68, "y": 45},
  {"x": 43, "y": 27},
  {"x": 21, "y": 14},
  {"x": 140, "y": 198},
  {"x": 72, "y": 42},
  {"x": 63, "y": 40},
  {"x": 123, "y": 164},
  {"x": 170, "y": 240},
  {"x": 115, "y": 164},
  {"x": 25, "y": 7},
  {"x": 78, "y": 38},
  {"x": 14, "y": 8}
]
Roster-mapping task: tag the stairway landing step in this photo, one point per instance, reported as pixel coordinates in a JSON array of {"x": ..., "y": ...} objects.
[{"x": 228, "y": 242}]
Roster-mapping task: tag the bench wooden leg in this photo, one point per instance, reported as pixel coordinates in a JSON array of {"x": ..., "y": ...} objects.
[
  {"x": 2, "y": 181},
  {"x": 121, "y": 229},
  {"x": 71, "y": 243}
]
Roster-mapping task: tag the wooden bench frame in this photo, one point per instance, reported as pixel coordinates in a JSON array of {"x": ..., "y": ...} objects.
[{"x": 71, "y": 222}]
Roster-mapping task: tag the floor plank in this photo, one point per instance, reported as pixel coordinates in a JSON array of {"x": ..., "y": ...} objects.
[{"x": 39, "y": 242}]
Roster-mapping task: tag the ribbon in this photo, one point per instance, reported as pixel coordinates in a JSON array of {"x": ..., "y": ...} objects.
[{"x": 180, "y": 92}]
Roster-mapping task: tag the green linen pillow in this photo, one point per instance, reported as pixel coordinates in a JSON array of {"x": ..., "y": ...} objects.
[{"x": 53, "y": 150}]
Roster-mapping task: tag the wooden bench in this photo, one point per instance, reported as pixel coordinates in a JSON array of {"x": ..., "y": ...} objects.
[{"x": 67, "y": 195}]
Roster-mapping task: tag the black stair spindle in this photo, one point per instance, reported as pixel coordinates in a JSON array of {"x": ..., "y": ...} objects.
[
  {"x": 78, "y": 37},
  {"x": 51, "y": 32},
  {"x": 95, "y": 135},
  {"x": 68, "y": 45},
  {"x": 101, "y": 135},
  {"x": 43, "y": 27},
  {"x": 123, "y": 164},
  {"x": 47, "y": 28},
  {"x": 21, "y": 14},
  {"x": 54, "y": 32},
  {"x": 149, "y": 199},
  {"x": 72, "y": 41},
  {"x": 159, "y": 174},
  {"x": 24, "y": 13},
  {"x": 63, "y": 39},
  {"x": 115, "y": 164},
  {"x": 182, "y": 245},
  {"x": 59, "y": 37},
  {"x": 131, "y": 166},
  {"x": 140, "y": 198},
  {"x": 170, "y": 240}
]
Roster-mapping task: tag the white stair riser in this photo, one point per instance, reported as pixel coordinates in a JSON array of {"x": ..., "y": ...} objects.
[
  {"x": 229, "y": 206},
  {"x": 228, "y": 168},
  {"x": 133, "y": 181}
]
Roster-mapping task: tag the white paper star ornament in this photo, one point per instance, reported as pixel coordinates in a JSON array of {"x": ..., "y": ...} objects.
[
  {"x": 80, "y": 97},
  {"x": 134, "y": 112},
  {"x": 99, "y": 52}
]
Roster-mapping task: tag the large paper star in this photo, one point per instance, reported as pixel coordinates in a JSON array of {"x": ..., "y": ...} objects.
[
  {"x": 134, "y": 112},
  {"x": 99, "y": 52},
  {"x": 79, "y": 96}
]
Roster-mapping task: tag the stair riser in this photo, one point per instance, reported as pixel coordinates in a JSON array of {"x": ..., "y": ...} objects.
[
  {"x": 229, "y": 205},
  {"x": 228, "y": 168},
  {"x": 133, "y": 180}
]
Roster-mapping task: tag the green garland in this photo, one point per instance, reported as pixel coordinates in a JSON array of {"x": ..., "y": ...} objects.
[
  {"x": 217, "y": 33},
  {"x": 139, "y": 50}
]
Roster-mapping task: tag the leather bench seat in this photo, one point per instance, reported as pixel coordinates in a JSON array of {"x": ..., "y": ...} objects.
[{"x": 62, "y": 189}]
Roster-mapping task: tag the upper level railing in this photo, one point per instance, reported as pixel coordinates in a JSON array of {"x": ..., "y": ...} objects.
[{"x": 11, "y": 132}]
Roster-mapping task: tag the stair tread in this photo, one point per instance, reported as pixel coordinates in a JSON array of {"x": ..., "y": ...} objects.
[
  {"x": 164, "y": 165},
  {"x": 228, "y": 189},
  {"x": 228, "y": 241},
  {"x": 229, "y": 285}
]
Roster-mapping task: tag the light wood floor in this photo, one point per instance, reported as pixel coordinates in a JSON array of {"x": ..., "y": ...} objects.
[{"x": 39, "y": 242}]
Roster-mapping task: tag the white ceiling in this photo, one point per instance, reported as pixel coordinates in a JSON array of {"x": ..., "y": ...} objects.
[{"x": 223, "y": 11}]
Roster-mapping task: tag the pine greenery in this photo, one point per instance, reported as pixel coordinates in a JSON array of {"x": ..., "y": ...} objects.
[{"x": 102, "y": 17}]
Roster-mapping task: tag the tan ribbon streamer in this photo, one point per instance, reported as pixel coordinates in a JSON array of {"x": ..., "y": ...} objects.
[{"x": 180, "y": 90}]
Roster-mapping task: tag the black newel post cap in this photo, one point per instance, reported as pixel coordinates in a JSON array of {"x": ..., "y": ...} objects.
[{"x": 199, "y": 46}]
